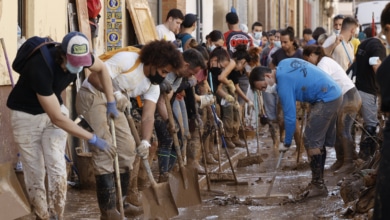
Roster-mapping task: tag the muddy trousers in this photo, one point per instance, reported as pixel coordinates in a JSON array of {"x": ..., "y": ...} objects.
[
  {"x": 367, "y": 143},
  {"x": 382, "y": 194},
  {"x": 42, "y": 148}
]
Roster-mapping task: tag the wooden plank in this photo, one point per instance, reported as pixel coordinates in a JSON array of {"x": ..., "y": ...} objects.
[
  {"x": 83, "y": 20},
  {"x": 72, "y": 17},
  {"x": 114, "y": 25},
  {"x": 142, "y": 20}
]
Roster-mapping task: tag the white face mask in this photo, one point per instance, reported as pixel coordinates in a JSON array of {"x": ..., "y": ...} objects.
[
  {"x": 271, "y": 89},
  {"x": 337, "y": 32},
  {"x": 278, "y": 43},
  {"x": 248, "y": 68},
  {"x": 212, "y": 47},
  {"x": 258, "y": 35},
  {"x": 73, "y": 69}
]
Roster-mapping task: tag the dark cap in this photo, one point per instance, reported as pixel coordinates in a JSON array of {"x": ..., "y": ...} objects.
[
  {"x": 76, "y": 46},
  {"x": 189, "y": 20},
  {"x": 232, "y": 18}
]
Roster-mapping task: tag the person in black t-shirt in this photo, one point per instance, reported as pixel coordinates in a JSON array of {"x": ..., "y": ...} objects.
[
  {"x": 382, "y": 196},
  {"x": 369, "y": 55},
  {"x": 40, "y": 120}
]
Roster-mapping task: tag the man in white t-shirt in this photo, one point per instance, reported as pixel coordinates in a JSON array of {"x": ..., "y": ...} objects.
[
  {"x": 171, "y": 26},
  {"x": 339, "y": 47},
  {"x": 134, "y": 73}
]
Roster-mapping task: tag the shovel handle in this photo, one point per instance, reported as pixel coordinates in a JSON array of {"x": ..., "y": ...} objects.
[
  {"x": 176, "y": 141},
  {"x": 117, "y": 175}
]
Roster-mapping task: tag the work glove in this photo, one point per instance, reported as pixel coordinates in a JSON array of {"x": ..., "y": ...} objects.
[
  {"x": 99, "y": 143},
  {"x": 122, "y": 102},
  {"x": 206, "y": 100},
  {"x": 192, "y": 81},
  {"x": 143, "y": 149},
  {"x": 229, "y": 99},
  {"x": 112, "y": 111},
  {"x": 283, "y": 147},
  {"x": 165, "y": 87}
]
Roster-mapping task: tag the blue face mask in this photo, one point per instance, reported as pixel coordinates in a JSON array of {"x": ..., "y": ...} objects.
[
  {"x": 212, "y": 47},
  {"x": 258, "y": 35},
  {"x": 73, "y": 69},
  {"x": 277, "y": 43}
]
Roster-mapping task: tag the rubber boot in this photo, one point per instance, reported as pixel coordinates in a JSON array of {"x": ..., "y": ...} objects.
[
  {"x": 348, "y": 165},
  {"x": 316, "y": 187},
  {"x": 229, "y": 143},
  {"x": 106, "y": 196},
  {"x": 211, "y": 147},
  {"x": 163, "y": 177},
  {"x": 339, "y": 156},
  {"x": 368, "y": 143},
  {"x": 129, "y": 209},
  {"x": 274, "y": 129},
  {"x": 134, "y": 196},
  {"x": 208, "y": 144},
  {"x": 236, "y": 141},
  {"x": 194, "y": 154}
]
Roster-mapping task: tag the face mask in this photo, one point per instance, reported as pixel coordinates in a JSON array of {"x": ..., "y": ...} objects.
[
  {"x": 277, "y": 43},
  {"x": 258, "y": 35},
  {"x": 156, "y": 78},
  {"x": 271, "y": 89},
  {"x": 215, "y": 71},
  {"x": 73, "y": 69},
  {"x": 212, "y": 47},
  {"x": 248, "y": 68},
  {"x": 337, "y": 32}
]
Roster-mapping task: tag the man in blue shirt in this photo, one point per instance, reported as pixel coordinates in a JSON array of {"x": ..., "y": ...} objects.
[{"x": 298, "y": 80}]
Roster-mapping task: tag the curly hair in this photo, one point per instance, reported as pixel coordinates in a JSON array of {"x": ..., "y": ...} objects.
[
  {"x": 161, "y": 53},
  {"x": 254, "y": 56}
]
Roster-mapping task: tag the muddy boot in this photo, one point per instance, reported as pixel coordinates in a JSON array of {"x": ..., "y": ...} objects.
[
  {"x": 229, "y": 143},
  {"x": 211, "y": 147},
  {"x": 236, "y": 141},
  {"x": 274, "y": 129},
  {"x": 106, "y": 196},
  {"x": 348, "y": 165},
  {"x": 130, "y": 210},
  {"x": 208, "y": 144},
  {"x": 194, "y": 155},
  {"x": 316, "y": 187},
  {"x": 163, "y": 177},
  {"x": 134, "y": 196},
  {"x": 339, "y": 157},
  {"x": 367, "y": 144}
]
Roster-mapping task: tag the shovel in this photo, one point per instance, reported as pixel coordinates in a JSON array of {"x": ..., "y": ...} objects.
[
  {"x": 184, "y": 185},
  {"x": 157, "y": 200}
]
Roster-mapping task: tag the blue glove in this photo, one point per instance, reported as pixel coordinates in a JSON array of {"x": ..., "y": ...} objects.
[
  {"x": 112, "y": 111},
  {"x": 99, "y": 143}
]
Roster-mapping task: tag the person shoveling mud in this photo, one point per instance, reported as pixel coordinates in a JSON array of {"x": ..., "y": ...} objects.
[{"x": 317, "y": 88}]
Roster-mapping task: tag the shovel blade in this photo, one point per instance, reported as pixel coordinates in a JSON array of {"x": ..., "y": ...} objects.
[
  {"x": 185, "y": 197},
  {"x": 165, "y": 208}
]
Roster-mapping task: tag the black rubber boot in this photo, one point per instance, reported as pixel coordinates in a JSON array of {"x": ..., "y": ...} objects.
[
  {"x": 106, "y": 195},
  {"x": 129, "y": 209},
  {"x": 316, "y": 187},
  {"x": 368, "y": 145}
]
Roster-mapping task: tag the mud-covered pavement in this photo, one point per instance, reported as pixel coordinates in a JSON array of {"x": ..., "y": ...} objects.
[{"x": 246, "y": 201}]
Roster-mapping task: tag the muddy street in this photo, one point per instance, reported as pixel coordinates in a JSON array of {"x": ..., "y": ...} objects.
[{"x": 247, "y": 200}]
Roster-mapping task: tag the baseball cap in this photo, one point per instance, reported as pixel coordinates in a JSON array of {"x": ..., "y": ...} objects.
[
  {"x": 76, "y": 46},
  {"x": 189, "y": 20},
  {"x": 232, "y": 18}
]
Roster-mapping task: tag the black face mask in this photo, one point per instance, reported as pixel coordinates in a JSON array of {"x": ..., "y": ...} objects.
[
  {"x": 156, "y": 78},
  {"x": 215, "y": 71}
]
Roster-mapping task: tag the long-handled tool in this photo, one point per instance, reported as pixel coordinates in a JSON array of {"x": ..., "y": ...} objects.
[
  {"x": 157, "y": 200},
  {"x": 200, "y": 132},
  {"x": 184, "y": 185},
  {"x": 248, "y": 160},
  {"x": 303, "y": 125},
  {"x": 117, "y": 175}
]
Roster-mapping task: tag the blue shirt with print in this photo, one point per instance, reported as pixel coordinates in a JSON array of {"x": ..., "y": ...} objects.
[{"x": 298, "y": 80}]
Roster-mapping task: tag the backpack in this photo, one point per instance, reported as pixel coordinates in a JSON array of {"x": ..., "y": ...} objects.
[
  {"x": 32, "y": 46},
  {"x": 94, "y": 7},
  {"x": 109, "y": 54}
]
